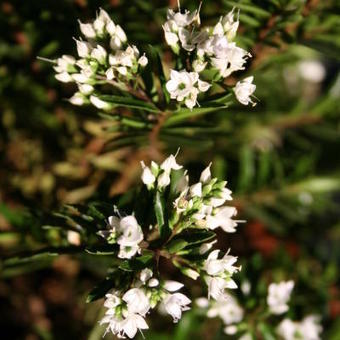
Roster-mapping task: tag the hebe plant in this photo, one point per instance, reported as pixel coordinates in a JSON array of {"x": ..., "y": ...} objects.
[{"x": 171, "y": 220}]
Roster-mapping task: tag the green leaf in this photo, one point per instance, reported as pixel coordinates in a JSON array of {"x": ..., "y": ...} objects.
[
  {"x": 137, "y": 263},
  {"x": 129, "y": 102},
  {"x": 176, "y": 245},
  {"x": 184, "y": 114},
  {"x": 162, "y": 222},
  {"x": 194, "y": 237}
]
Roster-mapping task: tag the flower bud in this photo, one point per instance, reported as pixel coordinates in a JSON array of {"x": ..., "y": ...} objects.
[
  {"x": 99, "y": 53},
  {"x": 83, "y": 48},
  {"x": 100, "y": 104},
  {"x": 64, "y": 77},
  {"x": 143, "y": 61},
  {"x": 87, "y": 30}
]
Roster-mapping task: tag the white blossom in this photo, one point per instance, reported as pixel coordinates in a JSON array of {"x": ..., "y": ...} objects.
[
  {"x": 185, "y": 86},
  {"x": 99, "y": 103},
  {"x": 148, "y": 177},
  {"x": 172, "y": 286},
  {"x": 308, "y": 329},
  {"x": 99, "y": 53},
  {"x": 88, "y": 30},
  {"x": 128, "y": 234},
  {"x": 278, "y": 296},
  {"x": 222, "y": 218},
  {"x": 83, "y": 48},
  {"x": 143, "y": 61},
  {"x": 182, "y": 19},
  {"x": 131, "y": 324},
  {"x": 244, "y": 90},
  {"x": 137, "y": 301},
  {"x": 175, "y": 303},
  {"x": 217, "y": 287},
  {"x": 145, "y": 275},
  {"x": 228, "y": 310},
  {"x": 77, "y": 99},
  {"x": 85, "y": 89},
  {"x": 64, "y": 77}
]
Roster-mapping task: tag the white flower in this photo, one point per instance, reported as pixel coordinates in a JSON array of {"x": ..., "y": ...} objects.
[
  {"x": 227, "y": 56},
  {"x": 287, "y": 329},
  {"x": 222, "y": 218},
  {"x": 219, "y": 274},
  {"x": 147, "y": 176},
  {"x": 214, "y": 266},
  {"x": 145, "y": 275},
  {"x": 121, "y": 34},
  {"x": 115, "y": 43},
  {"x": 126, "y": 252},
  {"x": 310, "y": 327},
  {"x": 202, "y": 302},
  {"x": 64, "y": 77},
  {"x": 217, "y": 287},
  {"x": 228, "y": 310},
  {"x": 244, "y": 89},
  {"x": 77, "y": 99},
  {"x": 99, "y": 53},
  {"x": 111, "y": 28},
  {"x": 182, "y": 86},
  {"x": 180, "y": 19},
  {"x": 170, "y": 164},
  {"x": 122, "y": 70},
  {"x": 110, "y": 73},
  {"x": 129, "y": 230},
  {"x": 100, "y": 104},
  {"x": 131, "y": 324},
  {"x": 196, "y": 190},
  {"x": 87, "y": 30},
  {"x": 83, "y": 48},
  {"x": 206, "y": 175},
  {"x": 80, "y": 77},
  {"x": 137, "y": 301},
  {"x": 172, "y": 286},
  {"x": 230, "y": 330},
  {"x": 205, "y": 247},
  {"x": 128, "y": 233},
  {"x": 176, "y": 303},
  {"x": 278, "y": 296},
  {"x": 85, "y": 89},
  {"x": 163, "y": 180},
  {"x": 229, "y": 24},
  {"x": 153, "y": 283},
  {"x": 143, "y": 61},
  {"x": 65, "y": 64},
  {"x": 223, "y": 195},
  {"x": 199, "y": 65}
]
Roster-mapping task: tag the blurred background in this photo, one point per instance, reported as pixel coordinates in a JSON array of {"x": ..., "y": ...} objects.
[{"x": 281, "y": 160}]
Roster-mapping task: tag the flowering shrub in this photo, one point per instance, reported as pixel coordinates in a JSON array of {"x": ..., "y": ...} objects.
[
  {"x": 203, "y": 57},
  {"x": 181, "y": 230}
]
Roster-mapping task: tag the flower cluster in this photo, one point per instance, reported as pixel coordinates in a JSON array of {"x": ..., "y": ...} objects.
[
  {"x": 228, "y": 310},
  {"x": 308, "y": 329},
  {"x": 104, "y": 56},
  {"x": 199, "y": 204},
  {"x": 126, "y": 310},
  {"x": 212, "y": 50},
  {"x": 192, "y": 210},
  {"x": 278, "y": 296}
]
